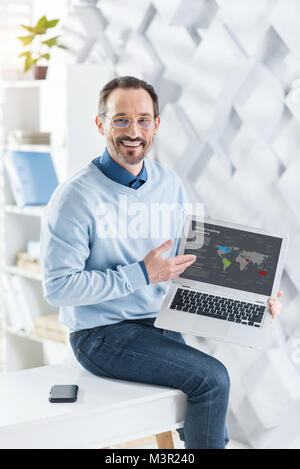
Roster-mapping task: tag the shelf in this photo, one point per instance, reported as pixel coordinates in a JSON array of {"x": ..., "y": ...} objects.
[
  {"x": 24, "y": 334},
  {"x": 31, "y": 336},
  {"x": 11, "y": 269},
  {"x": 32, "y": 211},
  {"x": 33, "y": 147},
  {"x": 29, "y": 83}
]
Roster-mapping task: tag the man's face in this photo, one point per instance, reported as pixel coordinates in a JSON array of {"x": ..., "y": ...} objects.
[{"x": 129, "y": 145}]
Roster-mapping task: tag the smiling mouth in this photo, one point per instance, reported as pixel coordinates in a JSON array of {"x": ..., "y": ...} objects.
[{"x": 128, "y": 144}]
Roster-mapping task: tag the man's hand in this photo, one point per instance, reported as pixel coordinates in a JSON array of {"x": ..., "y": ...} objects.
[
  {"x": 275, "y": 306},
  {"x": 160, "y": 269}
]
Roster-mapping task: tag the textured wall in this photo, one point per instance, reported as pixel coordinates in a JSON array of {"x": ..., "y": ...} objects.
[{"x": 228, "y": 77}]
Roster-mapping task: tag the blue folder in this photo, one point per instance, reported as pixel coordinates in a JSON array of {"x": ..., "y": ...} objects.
[{"x": 31, "y": 175}]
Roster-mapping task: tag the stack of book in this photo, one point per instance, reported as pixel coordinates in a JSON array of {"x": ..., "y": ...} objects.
[
  {"x": 28, "y": 137},
  {"x": 24, "y": 261},
  {"x": 48, "y": 327}
]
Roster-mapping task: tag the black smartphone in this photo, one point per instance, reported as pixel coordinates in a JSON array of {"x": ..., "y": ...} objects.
[{"x": 63, "y": 393}]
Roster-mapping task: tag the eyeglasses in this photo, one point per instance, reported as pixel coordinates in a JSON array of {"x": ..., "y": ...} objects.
[{"x": 124, "y": 122}]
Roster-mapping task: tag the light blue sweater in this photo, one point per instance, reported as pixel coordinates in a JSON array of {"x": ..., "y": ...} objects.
[{"x": 94, "y": 234}]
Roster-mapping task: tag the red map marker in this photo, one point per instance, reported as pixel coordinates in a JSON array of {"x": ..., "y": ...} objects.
[{"x": 262, "y": 272}]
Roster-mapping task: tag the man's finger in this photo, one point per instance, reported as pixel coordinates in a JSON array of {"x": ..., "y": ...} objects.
[
  {"x": 279, "y": 294},
  {"x": 164, "y": 247},
  {"x": 178, "y": 260},
  {"x": 181, "y": 267}
]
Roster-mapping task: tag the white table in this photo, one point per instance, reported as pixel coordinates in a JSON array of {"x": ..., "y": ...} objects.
[{"x": 106, "y": 412}]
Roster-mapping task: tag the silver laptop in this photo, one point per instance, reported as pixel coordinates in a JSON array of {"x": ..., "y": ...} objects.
[{"x": 223, "y": 295}]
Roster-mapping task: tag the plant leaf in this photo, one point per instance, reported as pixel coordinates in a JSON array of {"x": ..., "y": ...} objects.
[
  {"x": 51, "y": 42},
  {"x": 45, "y": 56},
  {"x": 29, "y": 28},
  {"x": 41, "y": 25},
  {"x": 62, "y": 46},
  {"x": 52, "y": 23},
  {"x": 28, "y": 63},
  {"x": 25, "y": 39},
  {"x": 28, "y": 60},
  {"x": 24, "y": 54}
]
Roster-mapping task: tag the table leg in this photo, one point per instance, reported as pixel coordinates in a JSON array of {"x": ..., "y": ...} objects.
[{"x": 164, "y": 440}]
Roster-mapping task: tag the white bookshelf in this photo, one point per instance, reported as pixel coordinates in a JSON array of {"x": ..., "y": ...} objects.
[
  {"x": 33, "y": 211},
  {"x": 26, "y": 105},
  {"x": 14, "y": 270}
]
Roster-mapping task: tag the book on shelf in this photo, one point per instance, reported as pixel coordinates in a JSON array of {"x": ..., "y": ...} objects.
[
  {"x": 47, "y": 326},
  {"x": 31, "y": 175},
  {"x": 25, "y": 262},
  {"x": 28, "y": 137},
  {"x": 34, "y": 250}
]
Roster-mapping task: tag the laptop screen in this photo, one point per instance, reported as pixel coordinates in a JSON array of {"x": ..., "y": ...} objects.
[{"x": 232, "y": 258}]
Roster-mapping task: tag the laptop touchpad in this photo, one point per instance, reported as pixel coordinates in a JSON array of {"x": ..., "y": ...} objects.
[{"x": 210, "y": 326}]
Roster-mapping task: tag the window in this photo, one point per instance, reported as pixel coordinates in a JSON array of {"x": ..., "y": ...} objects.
[{"x": 12, "y": 14}]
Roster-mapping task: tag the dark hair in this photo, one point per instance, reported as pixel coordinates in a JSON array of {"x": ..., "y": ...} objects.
[{"x": 126, "y": 82}]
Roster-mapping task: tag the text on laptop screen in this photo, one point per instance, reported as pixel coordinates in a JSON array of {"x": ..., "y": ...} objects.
[{"x": 232, "y": 258}]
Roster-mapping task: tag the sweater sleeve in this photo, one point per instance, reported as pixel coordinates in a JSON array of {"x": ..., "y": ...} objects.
[{"x": 64, "y": 251}]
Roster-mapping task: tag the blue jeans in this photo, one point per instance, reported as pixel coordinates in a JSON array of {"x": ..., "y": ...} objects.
[{"x": 135, "y": 350}]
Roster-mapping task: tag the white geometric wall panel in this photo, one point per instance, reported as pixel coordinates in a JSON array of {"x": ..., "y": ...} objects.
[{"x": 228, "y": 77}]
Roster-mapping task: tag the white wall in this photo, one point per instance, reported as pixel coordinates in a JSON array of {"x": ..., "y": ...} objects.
[{"x": 83, "y": 139}]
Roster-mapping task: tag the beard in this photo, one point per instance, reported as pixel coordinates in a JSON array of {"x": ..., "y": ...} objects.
[{"x": 131, "y": 156}]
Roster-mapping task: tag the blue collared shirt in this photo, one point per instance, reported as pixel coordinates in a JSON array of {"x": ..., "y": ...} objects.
[{"x": 117, "y": 173}]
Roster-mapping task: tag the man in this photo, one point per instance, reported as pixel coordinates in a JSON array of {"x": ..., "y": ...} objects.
[{"x": 110, "y": 283}]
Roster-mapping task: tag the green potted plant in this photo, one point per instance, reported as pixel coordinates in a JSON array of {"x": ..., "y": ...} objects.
[{"x": 37, "y": 54}]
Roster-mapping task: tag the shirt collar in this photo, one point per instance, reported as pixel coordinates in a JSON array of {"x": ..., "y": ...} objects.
[{"x": 116, "y": 172}]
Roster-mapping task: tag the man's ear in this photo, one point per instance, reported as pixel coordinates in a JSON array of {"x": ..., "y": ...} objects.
[
  {"x": 99, "y": 124},
  {"x": 157, "y": 122}
]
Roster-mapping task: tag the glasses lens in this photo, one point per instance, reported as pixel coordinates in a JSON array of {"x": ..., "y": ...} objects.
[
  {"x": 145, "y": 123},
  {"x": 121, "y": 123}
]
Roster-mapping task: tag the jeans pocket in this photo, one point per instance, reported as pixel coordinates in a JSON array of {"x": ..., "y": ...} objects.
[
  {"x": 90, "y": 366},
  {"x": 77, "y": 338}
]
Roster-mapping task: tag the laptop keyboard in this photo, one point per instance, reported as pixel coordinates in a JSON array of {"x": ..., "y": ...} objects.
[{"x": 217, "y": 307}]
